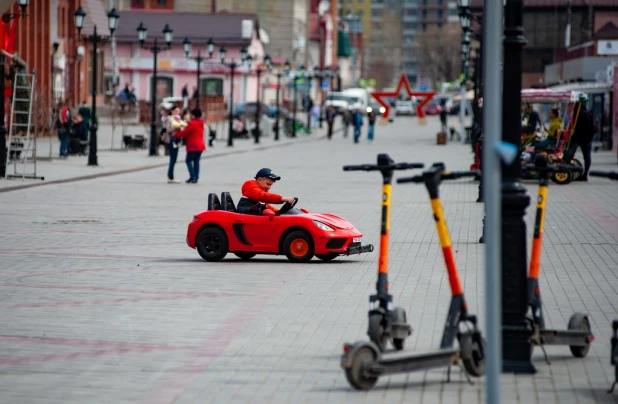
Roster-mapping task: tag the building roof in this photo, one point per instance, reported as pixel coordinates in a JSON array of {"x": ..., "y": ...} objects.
[
  {"x": 607, "y": 31},
  {"x": 95, "y": 15},
  {"x": 555, "y": 3},
  {"x": 223, "y": 28}
]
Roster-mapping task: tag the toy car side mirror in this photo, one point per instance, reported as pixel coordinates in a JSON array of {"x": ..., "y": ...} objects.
[
  {"x": 269, "y": 212},
  {"x": 304, "y": 210}
]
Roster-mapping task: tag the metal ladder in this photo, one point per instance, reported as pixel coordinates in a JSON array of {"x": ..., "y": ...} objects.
[{"x": 22, "y": 142}]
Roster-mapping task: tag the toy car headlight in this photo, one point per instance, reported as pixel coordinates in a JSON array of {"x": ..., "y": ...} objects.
[
  {"x": 323, "y": 226},
  {"x": 382, "y": 110}
]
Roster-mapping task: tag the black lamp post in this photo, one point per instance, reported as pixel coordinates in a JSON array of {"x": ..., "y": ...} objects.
[
  {"x": 516, "y": 331},
  {"x": 259, "y": 70},
  {"x": 210, "y": 47},
  {"x": 6, "y": 17},
  {"x": 155, "y": 48},
  {"x": 112, "y": 22},
  {"x": 284, "y": 73},
  {"x": 55, "y": 46},
  {"x": 232, "y": 65}
]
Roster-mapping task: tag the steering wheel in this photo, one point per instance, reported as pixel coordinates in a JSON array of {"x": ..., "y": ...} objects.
[{"x": 286, "y": 207}]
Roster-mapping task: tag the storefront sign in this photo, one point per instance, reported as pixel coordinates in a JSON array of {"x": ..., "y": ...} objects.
[{"x": 607, "y": 47}]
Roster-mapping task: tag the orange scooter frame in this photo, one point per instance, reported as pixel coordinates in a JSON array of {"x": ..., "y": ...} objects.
[
  {"x": 385, "y": 323},
  {"x": 578, "y": 335}
]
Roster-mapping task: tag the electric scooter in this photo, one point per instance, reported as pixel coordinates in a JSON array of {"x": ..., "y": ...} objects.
[
  {"x": 385, "y": 322},
  {"x": 613, "y": 175},
  {"x": 578, "y": 335},
  {"x": 363, "y": 362}
]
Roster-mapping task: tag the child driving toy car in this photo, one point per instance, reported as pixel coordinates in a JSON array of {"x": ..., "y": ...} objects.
[{"x": 255, "y": 196}]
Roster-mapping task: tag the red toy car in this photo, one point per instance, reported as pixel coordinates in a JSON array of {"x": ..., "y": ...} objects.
[{"x": 294, "y": 232}]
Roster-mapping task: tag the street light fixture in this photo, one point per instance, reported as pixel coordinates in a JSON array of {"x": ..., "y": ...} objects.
[
  {"x": 155, "y": 49},
  {"x": 6, "y": 17},
  {"x": 232, "y": 65},
  {"x": 79, "y": 17},
  {"x": 210, "y": 47}
]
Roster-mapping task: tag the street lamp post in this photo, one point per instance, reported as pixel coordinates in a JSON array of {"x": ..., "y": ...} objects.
[
  {"x": 6, "y": 17},
  {"x": 308, "y": 76},
  {"x": 55, "y": 47},
  {"x": 155, "y": 48},
  {"x": 232, "y": 65},
  {"x": 516, "y": 331},
  {"x": 284, "y": 73},
  {"x": 112, "y": 21},
  {"x": 210, "y": 47},
  {"x": 258, "y": 108}
]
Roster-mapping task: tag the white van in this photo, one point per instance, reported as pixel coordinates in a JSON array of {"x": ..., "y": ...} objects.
[{"x": 360, "y": 97}]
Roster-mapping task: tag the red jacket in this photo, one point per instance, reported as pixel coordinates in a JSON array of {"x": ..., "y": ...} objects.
[
  {"x": 252, "y": 190},
  {"x": 194, "y": 132}
]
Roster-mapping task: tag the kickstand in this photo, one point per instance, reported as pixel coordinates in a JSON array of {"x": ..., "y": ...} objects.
[
  {"x": 611, "y": 390},
  {"x": 465, "y": 373},
  {"x": 545, "y": 354}
]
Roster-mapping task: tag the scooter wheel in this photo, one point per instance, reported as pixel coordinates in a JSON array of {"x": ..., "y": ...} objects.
[
  {"x": 399, "y": 317},
  {"x": 357, "y": 373},
  {"x": 472, "y": 354},
  {"x": 576, "y": 174},
  {"x": 376, "y": 331},
  {"x": 579, "y": 321}
]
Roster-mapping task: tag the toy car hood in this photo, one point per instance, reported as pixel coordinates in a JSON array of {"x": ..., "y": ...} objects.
[{"x": 331, "y": 220}]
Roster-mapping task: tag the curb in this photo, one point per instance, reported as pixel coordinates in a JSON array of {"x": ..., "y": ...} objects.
[{"x": 148, "y": 167}]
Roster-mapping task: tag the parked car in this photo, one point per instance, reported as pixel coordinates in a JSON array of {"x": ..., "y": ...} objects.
[
  {"x": 377, "y": 107},
  {"x": 248, "y": 109},
  {"x": 338, "y": 100},
  {"x": 433, "y": 107},
  {"x": 406, "y": 107}
]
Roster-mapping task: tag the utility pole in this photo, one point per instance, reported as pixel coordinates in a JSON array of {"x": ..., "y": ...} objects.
[
  {"x": 114, "y": 55},
  {"x": 307, "y": 31}
]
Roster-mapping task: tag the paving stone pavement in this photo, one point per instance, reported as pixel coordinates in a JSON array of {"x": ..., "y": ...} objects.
[{"x": 102, "y": 301}]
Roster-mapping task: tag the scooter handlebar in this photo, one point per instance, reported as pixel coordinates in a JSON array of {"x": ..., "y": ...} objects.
[
  {"x": 377, "y": 167},
  {"x": 446, "y": 175},
  {"x": 612, "y": 175}
]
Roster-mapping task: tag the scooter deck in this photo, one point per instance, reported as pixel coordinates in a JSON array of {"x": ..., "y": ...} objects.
[
  {"x": 401, "y": 362},
  {"x": 564, "y": 337}
]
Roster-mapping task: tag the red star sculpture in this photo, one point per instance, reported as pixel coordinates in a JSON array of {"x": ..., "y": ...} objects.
[{"x": 403, "y": 82}]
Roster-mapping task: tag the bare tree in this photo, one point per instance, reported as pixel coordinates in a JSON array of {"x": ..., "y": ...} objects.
[
  {"x": 43, "y": 117},
  {"x": 385, "y": 47},
  {"x": 438, "y": 51}
]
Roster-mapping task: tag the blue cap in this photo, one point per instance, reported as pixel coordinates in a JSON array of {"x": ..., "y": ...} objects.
[{"x": 267, "y": 173}]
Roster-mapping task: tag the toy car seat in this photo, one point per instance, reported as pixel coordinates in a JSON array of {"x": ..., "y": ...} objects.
[
  {"x": 228, "y": 202},
  {"x": 213, "y": 202}
]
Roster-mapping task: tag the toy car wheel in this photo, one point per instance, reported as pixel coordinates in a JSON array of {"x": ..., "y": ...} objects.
[
  {"x": 472, "y": 354},
  {"x": 357, "y": 373},
  {"x": 376, "y": 331},
  {"x": 244, "y": 255},
  {"x": 326, "y": 257},
  {"x": 579, "y": 321},
  {"x": 298, "y": 246},
  {"x": 211, "y": 244},
  {"x": 562, "y": 177}
]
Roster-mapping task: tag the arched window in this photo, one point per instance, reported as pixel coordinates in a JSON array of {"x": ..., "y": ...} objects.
[{"x": 165, "y": 87}]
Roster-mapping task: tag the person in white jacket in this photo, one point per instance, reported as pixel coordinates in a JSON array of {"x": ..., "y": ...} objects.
[{"x": 174, "y": 123}]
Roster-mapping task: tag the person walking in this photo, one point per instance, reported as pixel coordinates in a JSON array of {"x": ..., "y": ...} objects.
[
  {"x": 194, "y": 134},
  {"x": 64, "y": 127},
  {"x": 185, "y": 96},
  {"x": 357, "y": 122},
  {"x": 372, "y": 121},
  {"x": 583, "y": 133},
  {"x": 346, "y": 118},
  {"x": 174, "y": 124},
  {"x": 330, "y": 120}
]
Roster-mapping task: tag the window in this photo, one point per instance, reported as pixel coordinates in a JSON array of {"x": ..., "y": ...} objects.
[
  {"x": 165, "y": 87},
  {"x": 439, "y": 2},
  {"x": 360, "y": 13},
  {"x": 440, "y": 16},
  {"x": 377, "y": 12},
  {"x": 137, "y": 4},
  {"x": 424, "y": 14},
  {"x": 424, "y": 26},
  {"x": 410, "y": 25},
  {"x": 424, "y": 2},
  {"x": 162, "y": 2},
  {"x": 411, "y": 12},
  {"x": 211, "y": 87},
  {"x": 100, "y": 72}
]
